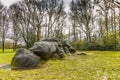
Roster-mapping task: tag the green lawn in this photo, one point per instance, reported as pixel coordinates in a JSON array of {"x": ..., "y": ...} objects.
[
  {"x": 96, "y": 65},
  {"x": 5, "y": 58}
]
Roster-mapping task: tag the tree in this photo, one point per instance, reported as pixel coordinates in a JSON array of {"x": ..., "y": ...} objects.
[
  {"x": 27, "y": 17},
  {"x": 60, "y": 21},
  {"x": 30, "y": 17},
  {"x": 73, "y": 19},
  {"x": 4, "y": 21},
  {"x": 55, "y": 17},
  {"x": 14, "y": 16},
  {"x": 82, "y": 12}
]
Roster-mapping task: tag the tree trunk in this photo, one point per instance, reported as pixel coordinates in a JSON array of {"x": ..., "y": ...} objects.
[
  {"x": 115, "y": 27},
  {"x": 89, "y": 36},
  {"x": 15, "y": 45},
  {"x": 38, "y": 32},
  {"x": 112, "y": 21},
  {"x": 74, "y": 31},
  {"x": 119, "y": 22},
  {"x": 3, "y": 40},
  {"x": 106, "y": 23},
  {"x": 80, "y": 35},
  {"x": 88, "y": 33}
]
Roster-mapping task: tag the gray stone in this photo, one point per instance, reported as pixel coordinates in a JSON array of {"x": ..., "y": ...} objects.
[
  {"x": 55, "y": 57},
  {"x": 72, "y": 50},
  {"x": 46, "y": 49},
  {"x": 62, "y": 44},
  {"x": 66, "y": 49},
  {"x": 24, "y": 59}
]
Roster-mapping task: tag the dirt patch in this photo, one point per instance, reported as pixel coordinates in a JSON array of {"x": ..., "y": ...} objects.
[
  {"x": 5, "y": 66},
  {"x": 81, "y": 53}
]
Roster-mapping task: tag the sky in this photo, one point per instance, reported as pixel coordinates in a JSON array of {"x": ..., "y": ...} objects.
[{"x": 9, "y": 2}]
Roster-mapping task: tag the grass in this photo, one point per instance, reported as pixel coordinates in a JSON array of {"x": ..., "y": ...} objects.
[
  {"x": 96, "y": 65},
  {"x": 5, "y": 58}
]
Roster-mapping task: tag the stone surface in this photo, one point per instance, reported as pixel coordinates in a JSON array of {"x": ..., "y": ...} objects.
[
  {"x": 24, "y": 59},
  {"x": 47, "y": 47},
  {"x": 62, "y": 44},
  {"x": 72, "y": 50}
]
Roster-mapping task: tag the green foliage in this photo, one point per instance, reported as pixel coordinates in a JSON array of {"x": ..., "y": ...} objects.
[
  {"x": 110, "y": 42},
  {"x": 8, "y": 45},
  {"x": 96, "y": 65},
  {"x": 77, "y": 44}
]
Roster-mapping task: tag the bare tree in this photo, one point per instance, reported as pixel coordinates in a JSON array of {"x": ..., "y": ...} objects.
[
  {"x": 55, "y": 17},
  {"x": 60, "y": 16},
  {"x": 73, "y": 18},
  {"x": 4, "y": 21},
  {"x": 27, "y": 17},
  {"x": 82, "y": 13},
  {"x": 14, "y": 13}
]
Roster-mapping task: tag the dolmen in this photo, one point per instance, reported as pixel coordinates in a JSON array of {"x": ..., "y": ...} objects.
[{"x": 44, "y": 50}]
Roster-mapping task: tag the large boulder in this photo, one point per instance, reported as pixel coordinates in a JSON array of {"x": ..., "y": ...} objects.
[
  {"x": 62, "y": 45},
  {"x": 50, "y": 47},
  {"x": 57, "y": 41},
  {"x": 24, "y": 59},
  {"x": 46, "y": 49}
]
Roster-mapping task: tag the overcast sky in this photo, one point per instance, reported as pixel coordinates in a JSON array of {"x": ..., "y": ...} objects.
[{"x": 9, "y": 2}]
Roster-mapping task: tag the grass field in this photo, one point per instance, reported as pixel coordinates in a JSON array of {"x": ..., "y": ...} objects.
[{"x": 96, "y": 65}]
